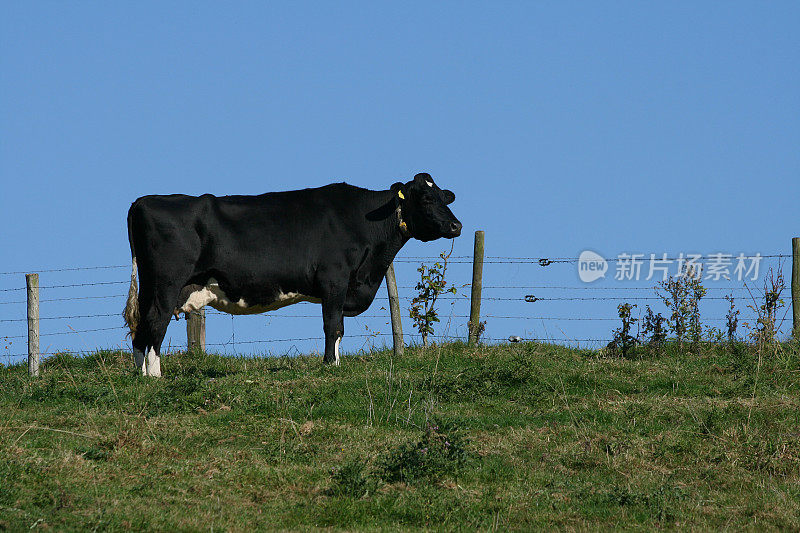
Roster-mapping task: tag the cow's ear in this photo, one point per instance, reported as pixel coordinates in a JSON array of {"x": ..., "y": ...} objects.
[
  {"x": 423, "y": 178},
  {"x": 448, "y": 196},
  {"x": 399, "y": 190}
]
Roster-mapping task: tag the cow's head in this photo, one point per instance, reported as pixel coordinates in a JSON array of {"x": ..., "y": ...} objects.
[{"x": 423, "y": 207}]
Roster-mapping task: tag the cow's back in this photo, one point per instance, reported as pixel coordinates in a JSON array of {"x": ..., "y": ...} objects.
[{"x": 275, "y": 236}]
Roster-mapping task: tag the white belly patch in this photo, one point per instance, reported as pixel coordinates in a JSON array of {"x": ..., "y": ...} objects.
[{"x": 214, "y": 296}]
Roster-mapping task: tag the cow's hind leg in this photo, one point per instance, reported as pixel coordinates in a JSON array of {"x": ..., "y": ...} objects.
[
  {"x": 142, "y": 336},
  {"x": 159, "y": 322},
  {"x": 147, "y": 345},
  {"x": 154, "y": 354},
  {"x": 333, "y": 325},
  {"x": 139, "y": 349},
  {"x": 151, "y": 332}
]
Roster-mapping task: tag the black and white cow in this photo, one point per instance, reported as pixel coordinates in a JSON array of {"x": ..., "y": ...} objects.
[{"x": 251, "y": 254}]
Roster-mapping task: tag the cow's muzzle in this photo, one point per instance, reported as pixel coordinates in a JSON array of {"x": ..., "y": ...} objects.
[{"x": 454, "y": 230}]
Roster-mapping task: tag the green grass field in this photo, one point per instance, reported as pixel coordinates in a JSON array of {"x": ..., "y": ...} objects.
[{"x": 516, "y": 437}]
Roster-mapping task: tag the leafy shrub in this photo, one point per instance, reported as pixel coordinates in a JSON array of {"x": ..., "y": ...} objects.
[
  {"x": 653, "y": 329},
  {"x": 430, "y": 286},
  {"x": 623, "y": 342},
  {"x": 766, "y": 328},
  {"x": 731, "y": 318},
  {"x": 682, "y": 294},
  {"x": 441, "y": 451},
  {"x": 350, "y": 480}
]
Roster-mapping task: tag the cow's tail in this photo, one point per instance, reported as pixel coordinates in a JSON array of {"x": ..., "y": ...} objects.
[{"x": 131, "y": 312}]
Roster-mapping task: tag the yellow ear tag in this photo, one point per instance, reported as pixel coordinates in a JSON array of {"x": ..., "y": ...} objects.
[{"x": 400, "y": 194}]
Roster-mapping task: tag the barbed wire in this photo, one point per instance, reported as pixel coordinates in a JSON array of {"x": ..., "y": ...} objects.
[
  {"x": 560, "y": 298},
  {"x": 232, "y": 343},
  {"x": 527, "y": 298},
  {"x": 386, "y": 316},
  {"x": 70, "y": 285},
  {"x": 598, "y": 298},
  {"x": 42, "y": 300},
  {"x": 543, "y": 261},
  {"x": 69, "y": 269},
  {"x": 71, "y": 332},
  {"x": 530, "y": 298},
  {"x": 547, "y": 261},
  {"x": 451, "y": 259},
  {"x": 378, "y": 334},
  {"x": 576, "y": 259},
  {"x": 406, "y": 287},
  {"x": 62, "y": 317},
  {"x": 574, "y": 287}
]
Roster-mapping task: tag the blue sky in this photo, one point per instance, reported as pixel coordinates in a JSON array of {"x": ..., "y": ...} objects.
[{"x": 560, "y": 126}]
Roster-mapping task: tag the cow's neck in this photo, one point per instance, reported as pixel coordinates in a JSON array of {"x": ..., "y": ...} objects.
[
  {"x": 391, "y": 237},
  {"x": 404, "y": 231},
  {"x": 393, "y": 246},
  {"x": 386, "y": 250}
]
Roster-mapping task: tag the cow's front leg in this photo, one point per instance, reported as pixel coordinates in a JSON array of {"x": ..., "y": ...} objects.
[{"x": 333, "y": 325}]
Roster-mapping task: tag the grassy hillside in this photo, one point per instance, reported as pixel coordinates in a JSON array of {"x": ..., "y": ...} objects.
[{"x": 511, "y": 437}]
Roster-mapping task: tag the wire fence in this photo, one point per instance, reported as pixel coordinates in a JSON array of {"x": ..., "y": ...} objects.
[{"x": 80, "y": 314}]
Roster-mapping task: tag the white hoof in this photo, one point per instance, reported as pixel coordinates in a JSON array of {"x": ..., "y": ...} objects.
[{"x": 153, "y": 364}]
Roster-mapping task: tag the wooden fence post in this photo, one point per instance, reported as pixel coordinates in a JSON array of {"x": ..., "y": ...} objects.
[
  {"x": 196, "y": 329},
  {"x": 32, "y": 283},
  {"x": 796, "y": 287},
  {"x": 394, "y": 310},
  {"x": 477, "y": 283}
]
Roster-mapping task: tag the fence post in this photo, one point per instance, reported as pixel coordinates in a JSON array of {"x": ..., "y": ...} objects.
[
  {"x": 796, "y": 287},
  {"x": 196, "y": 329},
  {"x": 477, "y": 283},
  {"x": 32, "y": 283},
  {"x": 394, "y": 310}
]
